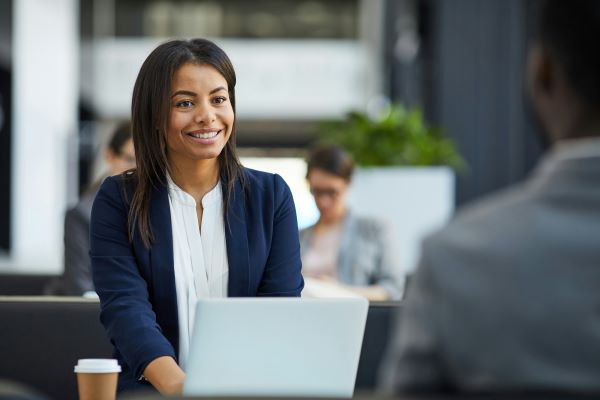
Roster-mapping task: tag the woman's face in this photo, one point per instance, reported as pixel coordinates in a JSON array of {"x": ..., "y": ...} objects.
[
  {"x": 201, "y": 115},
  {"x": 329, "y": 192}
]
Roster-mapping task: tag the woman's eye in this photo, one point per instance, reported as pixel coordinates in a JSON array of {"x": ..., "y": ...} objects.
[
  {"x": 220, "y": 99},
  {"x": 185, "y": 104}
]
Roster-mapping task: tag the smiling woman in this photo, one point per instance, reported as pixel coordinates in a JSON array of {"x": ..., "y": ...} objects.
[{"x": 190, "y": 222}]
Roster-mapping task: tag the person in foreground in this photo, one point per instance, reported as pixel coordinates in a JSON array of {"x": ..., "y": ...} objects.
[
  {"x": 343, "y": 250},
  {"x": 506, "y": 296},
  {"x": 190, "y": 222}
]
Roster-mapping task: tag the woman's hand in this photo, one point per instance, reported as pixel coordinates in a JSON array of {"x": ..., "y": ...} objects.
[{"x": 165, "y": 375}]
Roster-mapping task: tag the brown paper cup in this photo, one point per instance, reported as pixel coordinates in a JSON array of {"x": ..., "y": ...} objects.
[
  {"x": 97, "y": 386},
  {"x": 97, "y": 379}
]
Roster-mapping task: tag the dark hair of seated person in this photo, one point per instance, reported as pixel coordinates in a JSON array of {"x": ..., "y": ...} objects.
[
  {"x": 120, "y": 137},
  {"x": 331, "y": 159},
  {"x": 570, "y": 30}
]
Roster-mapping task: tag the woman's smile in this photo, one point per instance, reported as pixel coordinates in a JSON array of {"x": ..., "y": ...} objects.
[{"x": 204, "y": 136}]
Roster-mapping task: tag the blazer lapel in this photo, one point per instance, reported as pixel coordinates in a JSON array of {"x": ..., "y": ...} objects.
[
  {"x": 236, "y": 237},
  {"x": 161, "y": 261}
]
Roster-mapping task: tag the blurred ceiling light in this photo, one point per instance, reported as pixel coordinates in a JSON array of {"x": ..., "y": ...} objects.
[
  {"x": 378, "y": 107},
  {"x": 407, "y": 43}
]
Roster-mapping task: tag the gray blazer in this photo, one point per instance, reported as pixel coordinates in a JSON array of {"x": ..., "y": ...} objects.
[
  {"x": 507, "y": 296},
  {"x": 77, "y": 276},
  {"x": 366, "y": 255}
]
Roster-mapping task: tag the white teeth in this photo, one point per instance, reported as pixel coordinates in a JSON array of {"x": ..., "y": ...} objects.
[{"x": 208, "y": 135}]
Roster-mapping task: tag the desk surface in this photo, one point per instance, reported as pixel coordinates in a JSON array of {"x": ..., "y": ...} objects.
[{"x": 371, "y": 396}]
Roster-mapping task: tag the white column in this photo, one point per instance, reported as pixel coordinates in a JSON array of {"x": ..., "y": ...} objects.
[{"x": 45, "y": 93}]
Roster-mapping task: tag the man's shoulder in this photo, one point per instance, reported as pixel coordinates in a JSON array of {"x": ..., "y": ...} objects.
[{"x": 495, "y": 220}]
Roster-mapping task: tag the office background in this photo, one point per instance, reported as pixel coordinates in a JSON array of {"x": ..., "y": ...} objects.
[{"x": 67, "y": 67}]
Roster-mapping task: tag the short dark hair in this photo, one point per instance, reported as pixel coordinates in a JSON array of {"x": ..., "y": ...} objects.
[
  {"x": 570, "y": 30},
  {"x": 121, "y": 135},
  {"x": 331, "y": 159},
  {"x": 150, "y": 108}
]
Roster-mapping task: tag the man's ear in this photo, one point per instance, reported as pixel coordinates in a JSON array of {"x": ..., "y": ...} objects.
[{"x": 542, "y": 72}]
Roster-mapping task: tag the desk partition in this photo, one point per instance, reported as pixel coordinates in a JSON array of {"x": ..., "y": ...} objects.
[{"x": 43, "y": 337}]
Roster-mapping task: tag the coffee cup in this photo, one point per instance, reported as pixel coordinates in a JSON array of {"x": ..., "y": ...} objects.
[{"x": 97, "y": 378}]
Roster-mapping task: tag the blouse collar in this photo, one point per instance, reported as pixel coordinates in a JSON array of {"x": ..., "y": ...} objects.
[{"x": 213, "y": 197}]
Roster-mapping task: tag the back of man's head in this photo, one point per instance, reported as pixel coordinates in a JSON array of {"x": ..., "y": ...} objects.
[{"x": 570, "y": 30}]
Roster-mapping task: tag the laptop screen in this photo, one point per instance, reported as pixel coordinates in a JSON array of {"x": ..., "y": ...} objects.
[{"x": 276, "y": 347}]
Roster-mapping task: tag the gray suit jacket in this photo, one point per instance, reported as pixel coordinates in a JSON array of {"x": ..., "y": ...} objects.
[
  {"x": 366, "y": 255},
  {"x": 507, "y": 296},
  {"x": 77, "y": 276}
]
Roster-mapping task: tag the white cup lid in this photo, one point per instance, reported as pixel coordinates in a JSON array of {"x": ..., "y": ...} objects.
[{"x": 97, "y": 366}]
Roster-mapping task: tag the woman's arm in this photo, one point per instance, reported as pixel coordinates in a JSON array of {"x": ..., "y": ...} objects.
[
  {"x": 126, "y": 311},
  {"x": 282, "y": 275},
  {"x": 165, "y": 375}
]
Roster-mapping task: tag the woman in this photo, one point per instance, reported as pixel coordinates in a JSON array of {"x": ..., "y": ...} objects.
[
  {"x": 77, "y": 277},
  {"x": 342, "y": 248},
  {"x": 190, "y": 222}
]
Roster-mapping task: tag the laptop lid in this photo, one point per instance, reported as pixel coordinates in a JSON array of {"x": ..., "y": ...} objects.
[{"x": 275, "y": 347}]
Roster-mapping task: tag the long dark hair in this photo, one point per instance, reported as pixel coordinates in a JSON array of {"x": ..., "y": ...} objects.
[{"x": 150, "y": 107}]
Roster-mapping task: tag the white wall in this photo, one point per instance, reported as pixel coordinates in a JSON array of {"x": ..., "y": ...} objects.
[
  {"x": 45, "y": 93},
  {"x": 276, "y": 79},
  {"x": 412, "y": 201}
]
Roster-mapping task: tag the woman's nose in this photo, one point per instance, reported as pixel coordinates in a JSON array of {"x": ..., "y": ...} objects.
[
  {"x": 323, "y": 202},
  {"x": 204, "y": 115}
]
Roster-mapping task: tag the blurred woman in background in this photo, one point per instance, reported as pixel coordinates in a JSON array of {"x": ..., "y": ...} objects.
[
  {"x": 342, "y": 248},
  {"x": 76, "y": 279}
]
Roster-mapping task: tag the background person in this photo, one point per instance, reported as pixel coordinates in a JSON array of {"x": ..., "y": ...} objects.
[
  {"x": 506, "y": 296},
  {"x": 343, "y": 248},
  {"x": 76, "y": 279},
  {"x": 190, "y": 222}
]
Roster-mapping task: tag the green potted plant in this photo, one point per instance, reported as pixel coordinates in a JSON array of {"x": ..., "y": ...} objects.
[
  {"x": 405, "y": 172},
  {"x": 398, "y": 137}
]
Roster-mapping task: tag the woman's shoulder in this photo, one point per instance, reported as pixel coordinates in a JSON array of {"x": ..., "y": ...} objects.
[
  {"x": 263, "y": 181},
  {"x": 119, "y": 186},
  {"x": 369, "y": 226},
  {"x": 258, "y": 176},
  {"x": 266, "y": 190}
]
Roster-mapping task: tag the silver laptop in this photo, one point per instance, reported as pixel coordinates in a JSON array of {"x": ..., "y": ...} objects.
[{"x": 275, "y": 347}]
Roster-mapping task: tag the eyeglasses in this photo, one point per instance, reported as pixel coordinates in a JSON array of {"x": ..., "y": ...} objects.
[{"x": 329, "y": 192}]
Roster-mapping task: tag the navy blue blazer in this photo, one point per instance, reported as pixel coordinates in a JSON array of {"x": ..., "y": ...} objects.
[{"x": 136, "y": 285}]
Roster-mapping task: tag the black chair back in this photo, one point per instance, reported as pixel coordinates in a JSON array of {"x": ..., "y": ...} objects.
[
  {"x": 380, "y": 320},
  {"x": 42, "y": 339}
]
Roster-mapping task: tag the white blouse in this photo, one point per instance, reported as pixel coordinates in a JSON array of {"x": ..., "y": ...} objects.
[{"x": 199, "y": 256}]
